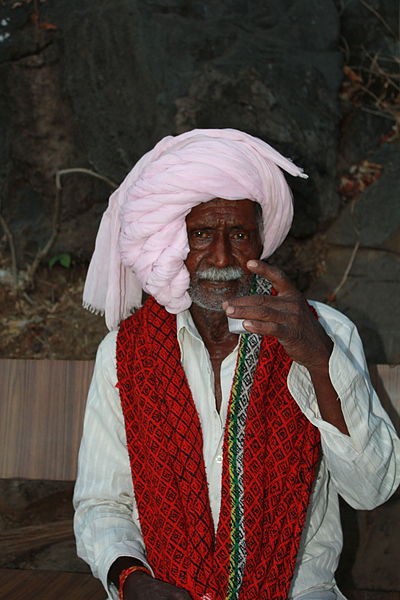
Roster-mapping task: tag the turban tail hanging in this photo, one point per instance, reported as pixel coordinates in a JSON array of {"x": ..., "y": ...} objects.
[{"x": 142, "y": 241}]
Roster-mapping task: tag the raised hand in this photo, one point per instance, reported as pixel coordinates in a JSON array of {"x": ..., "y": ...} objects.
[{"x": 286, "y": 316}]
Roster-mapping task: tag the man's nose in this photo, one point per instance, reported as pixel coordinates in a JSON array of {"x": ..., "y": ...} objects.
[{"x": 221, "y": 252}]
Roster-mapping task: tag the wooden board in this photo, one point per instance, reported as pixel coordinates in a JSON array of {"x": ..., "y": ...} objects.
[
  {"x": 42, "y": 404},
  {"x": 42, "y": 407},
  {"x": 21, "y": 584}
]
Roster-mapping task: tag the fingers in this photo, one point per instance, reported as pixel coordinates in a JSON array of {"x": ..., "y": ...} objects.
[
  {"x": 270, "y": 328},
  {"x": 285, "y": 316},
  {"x": 258, "y": 308},
  {"x": 281, "y": 316},
  {"x": 264, "y": 314},
  {"x": 143, "y": 587},
  {"x": 264, "y": 317},
  {"x": 275, "y": 308},
  {"x": 279, "y": 280}
]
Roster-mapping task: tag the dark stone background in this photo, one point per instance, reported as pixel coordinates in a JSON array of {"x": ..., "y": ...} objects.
[{"x": 95, "y": 84}]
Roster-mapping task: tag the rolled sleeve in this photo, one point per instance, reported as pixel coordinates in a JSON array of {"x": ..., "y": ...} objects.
[
  {"x": 106, "y": 520},
  {"x": 364, "y": 465}
]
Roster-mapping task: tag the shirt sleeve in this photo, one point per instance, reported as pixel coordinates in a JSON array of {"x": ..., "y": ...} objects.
[
  {"x": 364, "y": 466},
  {"x": 106, "y": 518}
]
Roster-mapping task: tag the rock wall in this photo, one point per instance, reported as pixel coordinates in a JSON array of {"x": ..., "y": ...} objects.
[
  {"x": 95, "y": 84},
  {"x": 363, "y": 241}
]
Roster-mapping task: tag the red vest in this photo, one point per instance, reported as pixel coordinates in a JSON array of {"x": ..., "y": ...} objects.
[{"x": 164, "y": 437}]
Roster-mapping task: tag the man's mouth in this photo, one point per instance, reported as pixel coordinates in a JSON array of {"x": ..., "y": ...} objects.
[
  {"x": 211, "y": 286},
  {"x": 219, "y": 287},
  {"x": 220, "y": 275}
]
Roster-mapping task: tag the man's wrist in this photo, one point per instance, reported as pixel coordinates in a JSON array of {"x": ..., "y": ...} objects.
[
  {"x": 120, "y": 564},
  {"x": 127, "y": 573},
  {"x": 320, "y": 369}
]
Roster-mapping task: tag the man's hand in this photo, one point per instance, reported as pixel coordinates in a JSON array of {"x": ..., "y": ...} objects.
[
  {"x": 140, "y": 586},
  {"x": 286, "y": 316}
]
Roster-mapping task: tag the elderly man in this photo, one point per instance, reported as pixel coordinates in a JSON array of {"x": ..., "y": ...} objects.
[{"x": 211, "y": 460}]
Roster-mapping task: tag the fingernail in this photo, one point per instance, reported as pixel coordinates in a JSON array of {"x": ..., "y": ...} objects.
[
  {"x": 252, "y": 263},
  {"x": 230, "y": 310}
]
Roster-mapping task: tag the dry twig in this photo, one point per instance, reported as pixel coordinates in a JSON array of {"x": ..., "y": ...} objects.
[
  {"x": 380, "y": 18},
  {"x": 332, "y": 296},
  {"x": 27, "y": 280},
  {"x": 86, "y": 172},
  {"x": 42, "y": 252},
  {"x": 375, "y": 89},
  {"x": 10, "y": 239}
]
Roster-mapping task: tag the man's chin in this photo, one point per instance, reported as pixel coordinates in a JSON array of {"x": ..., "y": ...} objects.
[
  {"x": 215, "y": 295},
  {"x": 207, "y": 300}
]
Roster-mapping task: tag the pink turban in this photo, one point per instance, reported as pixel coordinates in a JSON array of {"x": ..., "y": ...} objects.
[{"x": 142, "y": 241}]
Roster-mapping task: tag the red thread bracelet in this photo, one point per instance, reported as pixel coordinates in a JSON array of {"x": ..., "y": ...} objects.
[{"x": 125, "y": 574}]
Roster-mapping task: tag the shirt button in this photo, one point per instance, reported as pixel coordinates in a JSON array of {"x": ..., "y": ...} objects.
[{"x": 219, "y": 460}]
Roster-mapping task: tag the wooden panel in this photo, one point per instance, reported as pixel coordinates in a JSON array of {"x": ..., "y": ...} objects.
[
  {"x": 42, "y": 406},
  {"x": 41, "y": 416},
  {"x": 386, "y": 381},
  {"x": 19, "y": 584},
  {"x": 15, "y": 541}
]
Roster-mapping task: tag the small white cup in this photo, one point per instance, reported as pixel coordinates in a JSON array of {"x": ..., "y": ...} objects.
[{"x": 236, "y": 326}]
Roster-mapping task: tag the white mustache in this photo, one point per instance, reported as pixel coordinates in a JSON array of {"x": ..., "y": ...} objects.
[{"x": 220, "y": 274}]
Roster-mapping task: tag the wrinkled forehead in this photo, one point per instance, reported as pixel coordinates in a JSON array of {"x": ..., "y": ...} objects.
[{"x": 243, "y": 211}]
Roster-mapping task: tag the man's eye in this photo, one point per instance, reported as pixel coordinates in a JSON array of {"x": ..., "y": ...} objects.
[
  {"x": 200, "y": 234},
  {"x": 240, "y": 235}
]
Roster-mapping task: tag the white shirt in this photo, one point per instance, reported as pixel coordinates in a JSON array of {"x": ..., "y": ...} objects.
[{"x": 362, "y": 468}]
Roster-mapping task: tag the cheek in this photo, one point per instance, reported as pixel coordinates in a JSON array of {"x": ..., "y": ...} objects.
[
  {"x": 243, "y": 255},
  {"x": 257, "y": 247},
  {"x": 192, "y": 260}
]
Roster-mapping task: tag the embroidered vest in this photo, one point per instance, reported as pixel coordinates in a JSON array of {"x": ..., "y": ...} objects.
[{"x": 270, "y": 458}]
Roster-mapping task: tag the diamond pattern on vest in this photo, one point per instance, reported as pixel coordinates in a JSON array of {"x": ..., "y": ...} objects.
[{"x": 164, "y": 438}]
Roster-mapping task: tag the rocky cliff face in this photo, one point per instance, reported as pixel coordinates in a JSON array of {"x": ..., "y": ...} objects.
[{"x": 95, "y": 84}]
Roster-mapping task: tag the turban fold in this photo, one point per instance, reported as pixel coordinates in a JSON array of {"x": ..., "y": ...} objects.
[{"x": 142, "y": 241}]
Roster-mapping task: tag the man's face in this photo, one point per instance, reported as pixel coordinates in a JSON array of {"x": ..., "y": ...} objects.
[{"x": 223, "y": 235}]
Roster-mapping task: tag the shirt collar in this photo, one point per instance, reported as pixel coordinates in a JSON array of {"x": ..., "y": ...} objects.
[{"x": 184, "y": 322}]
